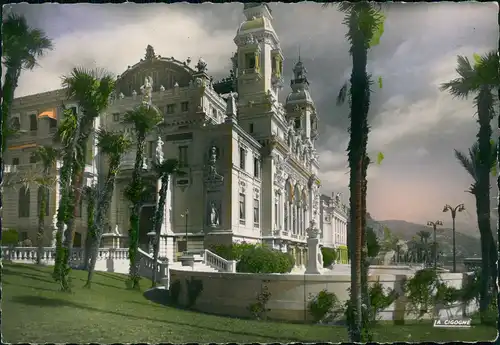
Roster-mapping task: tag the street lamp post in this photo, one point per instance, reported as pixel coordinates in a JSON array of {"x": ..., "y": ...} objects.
[
  {"x": 185, "y": 215},
  {"x": 434, "y": 226},
  {"x": 453, "y": 210}
]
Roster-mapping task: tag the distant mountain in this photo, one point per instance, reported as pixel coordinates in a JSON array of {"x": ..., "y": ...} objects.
[{"x": 467, "y": 245}]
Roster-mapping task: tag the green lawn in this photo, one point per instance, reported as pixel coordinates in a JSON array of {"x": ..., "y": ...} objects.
[{"x": 35, "y": 311}]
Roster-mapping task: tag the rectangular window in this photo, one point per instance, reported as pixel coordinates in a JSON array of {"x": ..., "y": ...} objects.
[
  {"x": 52, "y": 123},
  {"x": 242, "y": 208},
  {"x": 297, "y": 123},
  {"x": 251, "y": 128},
  {"x": 24, "y": 203},
  {"x": 273, "y": 64},
  {"x": 256, "y": 167},
  {"x": 243, "y": 157},
  {"x": 184, "y": 106},
  {"x": 33, "y": 122},
  {"x": 116, "y": 117},
  {"x": 170, "y": 108},
  {"x": 32, "y": 159},
  {"x": 256, "y": 213},
  {"x": 24, "y": 236},
  {"x": 73, "y": 110},
  {"x": 183, "y": 156},
  {"x": 250, "y": 60},
  {"x": 16, "y": 124},
  {"x": 15, "y": 161}
]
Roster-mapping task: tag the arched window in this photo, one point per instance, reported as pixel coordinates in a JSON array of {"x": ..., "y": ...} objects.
[
  {"x": 24, "y": 202},
  {"x": 41, "y": 191}
]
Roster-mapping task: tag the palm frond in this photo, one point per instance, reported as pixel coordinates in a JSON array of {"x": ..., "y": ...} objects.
[
  {"x": 113, "y": 144},
  {"x": 341, "y": 97},
  {"x": 22, "y": 45},
  {"x": 144, "y": 118},
  {"x": 468, "y": 162}
]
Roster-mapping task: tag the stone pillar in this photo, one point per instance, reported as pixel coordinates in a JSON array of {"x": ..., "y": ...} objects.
[{"x": 313, "y": 266}]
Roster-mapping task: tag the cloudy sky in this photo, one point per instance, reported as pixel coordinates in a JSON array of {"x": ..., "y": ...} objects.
[{"x": 414, "y": 124}]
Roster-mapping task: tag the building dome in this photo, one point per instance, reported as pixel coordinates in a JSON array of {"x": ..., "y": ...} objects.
[
  {"x": 255, "y": 24},
  {"x": 300, "y": 86},
  {"x": 299, "y": 96}
]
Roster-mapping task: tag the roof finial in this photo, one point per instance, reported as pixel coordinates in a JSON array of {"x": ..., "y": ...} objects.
[{"x": 299, "y": 53}]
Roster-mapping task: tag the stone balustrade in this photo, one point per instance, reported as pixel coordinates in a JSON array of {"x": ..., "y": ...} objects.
[{"x": 217, "y": 262}]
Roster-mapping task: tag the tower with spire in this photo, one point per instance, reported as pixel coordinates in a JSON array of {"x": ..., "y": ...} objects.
[
  {"x": 300, "y": 105},
  {"x": 259, "y": 55}
]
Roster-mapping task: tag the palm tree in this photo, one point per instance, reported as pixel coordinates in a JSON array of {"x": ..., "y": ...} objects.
[
  {"x": 481, "y": 79},
  {"x": 47, "y": 156},
  {"x": 163, "y": 171},
  {"x": 144, "y": 119},
  {"x": 365, "y": 27},
  {"x": 92, "y": 90},
  {"x": 21, "y": 47},
  {"x": 471, "y": 163},
  {"x": 113, "y": 145},
  {"x": 66, "y": 136}
]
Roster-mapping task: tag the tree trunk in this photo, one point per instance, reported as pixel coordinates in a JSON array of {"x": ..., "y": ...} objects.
[
  {"x": 65, "y": 203},
  {"x": 90, "y": 238},
  {"x": 359, "y": 91},
  {"x": 8, "y": 88},
  {"x": 62, "y": 212},
  {"x": 93, "y": 259},
  {"x": 135, "y": 196},
  {"x": 41, "y": 227},
  {"x": 102, "y": 207},
  {"x": 483, "y": 196},
  {"x": 157, "y": 222}
]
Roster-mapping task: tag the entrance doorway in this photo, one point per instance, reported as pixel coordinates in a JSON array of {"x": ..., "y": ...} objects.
[{"x": 145, "y": 226}]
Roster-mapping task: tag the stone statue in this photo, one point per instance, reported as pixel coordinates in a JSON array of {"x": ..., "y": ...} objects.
[
  {"x": 54, "y": 231},
  {"x": 213, "y": 214},
  {"x": 159, "y": 150},
  {"x": 162, "y": 88},
  {"x": 213, "y": 155},
  {"x": 337, "y": 198},
  {"x": 150, "y": 53},
  {"x": 201, "y": 66},
  {"x": 134, "y": 93},
  {"x": 121, "y": 95},
  {"x": 249, "y": 39},
  {"x": 147, "y": 89},
  {"x": 231, "y": 109}
]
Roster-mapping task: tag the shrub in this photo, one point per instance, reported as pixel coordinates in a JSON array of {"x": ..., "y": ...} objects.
[
  {"x": 324, "y": 306},
  {"x": 329, "y": 256},
  {"x": 259, "y": 307},
  {"x": 264, "y": 260},
  {"x": 26, "y": 243},
  {"x": 424, "y": 290},
  {"x": 380, "y": 299},
  {"x": 233, "y": 251},
  {"x": 10, "y": 237}
]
